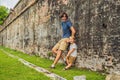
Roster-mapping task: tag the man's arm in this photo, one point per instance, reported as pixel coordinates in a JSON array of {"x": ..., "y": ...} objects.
[{"x": 73, "y": 31}]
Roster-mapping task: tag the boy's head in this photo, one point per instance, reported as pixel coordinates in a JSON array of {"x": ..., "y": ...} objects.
[{"x": 71, "y": 40}]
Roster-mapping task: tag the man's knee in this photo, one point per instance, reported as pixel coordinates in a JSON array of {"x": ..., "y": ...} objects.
[
  {"x": 54, "y": 51},
  {"x": 59, "y": 52}
]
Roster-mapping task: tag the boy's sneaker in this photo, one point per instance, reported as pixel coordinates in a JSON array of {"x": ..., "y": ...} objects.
[{"x": 65, "y": 68}]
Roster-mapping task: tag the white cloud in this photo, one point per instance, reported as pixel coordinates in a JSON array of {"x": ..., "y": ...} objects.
[{"x": 8, "y": 3}]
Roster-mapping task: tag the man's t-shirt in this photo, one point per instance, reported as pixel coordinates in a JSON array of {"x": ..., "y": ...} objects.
[
  {"x": 74, "y": 53},
  {"x": 66, "y": 29}
]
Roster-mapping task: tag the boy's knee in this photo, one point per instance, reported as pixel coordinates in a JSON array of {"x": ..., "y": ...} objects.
[{"x": 70, "y": 64}]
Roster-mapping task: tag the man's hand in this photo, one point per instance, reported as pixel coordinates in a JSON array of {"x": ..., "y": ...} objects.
[{"x": 73, "y": 37}]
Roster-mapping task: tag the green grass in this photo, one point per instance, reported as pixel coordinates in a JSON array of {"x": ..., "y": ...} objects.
[
  {"x": 45, "y": 63},
  {"x": 11, "y": 69}
]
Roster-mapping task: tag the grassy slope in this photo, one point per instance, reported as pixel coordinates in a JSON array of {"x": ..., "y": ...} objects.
[
  {"x": 45, "y": 63},
  {"x": 11, "y": 69}
]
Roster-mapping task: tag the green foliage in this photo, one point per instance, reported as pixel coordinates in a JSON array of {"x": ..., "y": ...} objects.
[
  {"x": 3, "y": 13},
  {"x": 50, "y": 54},
  {"x": 46, "y": 63}
]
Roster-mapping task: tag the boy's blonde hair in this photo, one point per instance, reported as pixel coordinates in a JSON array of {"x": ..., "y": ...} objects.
[{"x": 72, "y": 38}]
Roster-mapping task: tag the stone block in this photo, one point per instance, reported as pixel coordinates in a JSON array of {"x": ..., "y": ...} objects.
[{"x": 82, "y": 77}]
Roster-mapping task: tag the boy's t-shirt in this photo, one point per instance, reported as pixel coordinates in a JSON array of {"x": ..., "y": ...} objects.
[{"x": 74, "y": 53}]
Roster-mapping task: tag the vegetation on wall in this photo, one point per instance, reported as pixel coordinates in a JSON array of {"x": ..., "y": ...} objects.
[{"x": 3, "y": 13}]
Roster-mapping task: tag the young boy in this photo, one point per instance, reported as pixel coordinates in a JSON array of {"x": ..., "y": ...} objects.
[{"x": 72, "y": 53}]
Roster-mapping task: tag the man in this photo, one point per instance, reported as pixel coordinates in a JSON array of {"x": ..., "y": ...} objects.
[{"x": 68, "y": 30}]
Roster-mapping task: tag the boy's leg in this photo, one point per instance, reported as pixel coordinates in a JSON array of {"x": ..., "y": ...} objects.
[
  {"x": 67, "y": 61},
  {"x": 70, "y": 62},
  {"x": 68, "y": 66}
]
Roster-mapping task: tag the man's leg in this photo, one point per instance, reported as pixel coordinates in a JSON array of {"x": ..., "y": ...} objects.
[
  {"x": 61, "y": 46},
  {"x": 57, "y": 57},
  {"x": 54, "y": 50},
  {"x": 59, "y": 53},
  {"x": 62, "y": 56}
]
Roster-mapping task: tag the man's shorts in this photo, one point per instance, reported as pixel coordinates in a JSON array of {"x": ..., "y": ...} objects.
[
  {"x": 62, "y": 44},
  {"x": 71, "y": 59}
]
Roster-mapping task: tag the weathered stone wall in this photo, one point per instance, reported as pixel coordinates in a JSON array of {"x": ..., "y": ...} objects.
[{"x": 34, "y": 27}]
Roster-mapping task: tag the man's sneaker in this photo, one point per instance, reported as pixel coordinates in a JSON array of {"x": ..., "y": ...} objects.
[{"x": 52, "y": 66}]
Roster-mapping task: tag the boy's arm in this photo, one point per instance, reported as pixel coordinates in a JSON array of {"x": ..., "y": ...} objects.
[{"x": 69, "y": 52}]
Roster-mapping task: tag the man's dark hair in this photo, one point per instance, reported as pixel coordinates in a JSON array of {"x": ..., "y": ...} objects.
[{"x": 62, "y": 14}]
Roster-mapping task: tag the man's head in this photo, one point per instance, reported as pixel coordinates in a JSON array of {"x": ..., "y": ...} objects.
[{"x": 63, "y": 16}]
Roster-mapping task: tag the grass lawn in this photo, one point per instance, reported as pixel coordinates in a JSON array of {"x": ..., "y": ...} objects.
[
  {"x": 11, "y": 69},
  {"x": 45, "y": 63}
]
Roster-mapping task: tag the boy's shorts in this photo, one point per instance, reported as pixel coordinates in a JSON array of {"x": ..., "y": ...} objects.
[
  {"x": 71, "y": 59},
  {"x": 62, "y": 44}
]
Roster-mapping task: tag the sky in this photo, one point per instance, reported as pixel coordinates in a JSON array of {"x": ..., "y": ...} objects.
[{"x": 8, "y": 3}]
